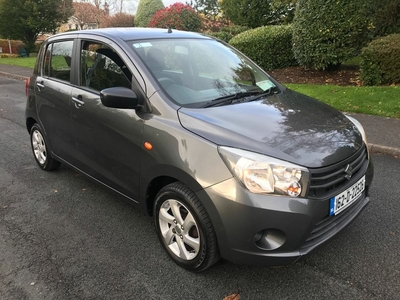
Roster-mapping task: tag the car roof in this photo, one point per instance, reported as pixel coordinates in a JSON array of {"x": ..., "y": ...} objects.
[{"x": 137, "y": 33}]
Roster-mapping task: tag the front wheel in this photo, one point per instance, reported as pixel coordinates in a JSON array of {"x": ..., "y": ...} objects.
[
  {"x": 184, "y": 228},
  {"x": 41, "y": 150}
]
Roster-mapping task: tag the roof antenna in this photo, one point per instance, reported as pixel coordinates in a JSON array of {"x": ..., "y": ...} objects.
[{"x": 169, "y": 30}]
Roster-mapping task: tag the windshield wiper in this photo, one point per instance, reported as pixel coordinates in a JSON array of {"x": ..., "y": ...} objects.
[
  {"x": 270, "y": 91},
  {"x": 228, "y": 99}
]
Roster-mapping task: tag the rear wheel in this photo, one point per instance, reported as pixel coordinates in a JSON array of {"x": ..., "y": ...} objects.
[
  {"x": 184, "y": 228},
  {"x": 41, "y": 150}
]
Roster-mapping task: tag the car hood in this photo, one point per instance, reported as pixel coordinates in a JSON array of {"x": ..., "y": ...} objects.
[{"x": 288, "y": 126}]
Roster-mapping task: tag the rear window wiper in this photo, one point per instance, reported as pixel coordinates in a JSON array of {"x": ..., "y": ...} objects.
[{"x": 228, "y": 99}]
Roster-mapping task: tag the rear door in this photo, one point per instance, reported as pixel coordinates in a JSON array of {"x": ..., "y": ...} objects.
[
  {"x": 107, "y": 141},
  {"x": 53, "y": 90}
]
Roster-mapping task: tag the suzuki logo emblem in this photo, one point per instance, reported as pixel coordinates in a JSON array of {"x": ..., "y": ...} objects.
[{"x": 348, "y": 171}]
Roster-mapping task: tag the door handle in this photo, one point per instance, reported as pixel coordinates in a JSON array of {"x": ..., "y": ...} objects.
[
  {"x": 40, "y": 85},
  {"x": 78, "y": 102}
]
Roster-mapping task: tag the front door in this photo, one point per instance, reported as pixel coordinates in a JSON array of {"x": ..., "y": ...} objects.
[{"x": 107, "y": 140}]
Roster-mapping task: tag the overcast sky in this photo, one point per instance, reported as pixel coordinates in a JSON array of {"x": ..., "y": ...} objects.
[
  {"x": 130, "y": 6},
  {"x": 169, "y": 2}
]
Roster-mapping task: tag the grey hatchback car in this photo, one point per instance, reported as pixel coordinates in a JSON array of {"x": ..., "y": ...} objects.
[{"x": 229, "y": 162}]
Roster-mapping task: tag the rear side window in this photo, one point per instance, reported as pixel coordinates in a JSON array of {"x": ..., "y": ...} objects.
[{"x": 57, "y": 60}]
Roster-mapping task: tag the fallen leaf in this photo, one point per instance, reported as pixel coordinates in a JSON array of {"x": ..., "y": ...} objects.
[
  {"x": 392, "y": 233},
  {"x": 83, "y": 189},
  {"x": 235, "y": 296},
  {"x": 55, "y": 191}
]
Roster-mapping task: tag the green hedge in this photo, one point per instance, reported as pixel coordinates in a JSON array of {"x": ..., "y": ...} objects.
[
  {"x": 222, "y": 35},
  {"x": 228, "y": 32},
  {"x": 269, "y": 46},
  {"x": 380, "y": 61},
  {"x": 327, "y": 33}
]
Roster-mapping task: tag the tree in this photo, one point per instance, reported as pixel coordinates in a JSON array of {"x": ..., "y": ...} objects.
[
  {"x": 251, "y": 13},
  {"x": 84, "y": 15},
  {"x": 95, "y": 13},
  {"x": 208, "y": 8},
  {"x": 146, "y": 10},
  {"x": 119, "y": 20},
  {"x": 100, "y": 13},
  {"x": 26, "y": 19},
  {"x": 119, "y": 6},
  {"x": 326, "y": 33},
  {"x": 283, "y": 11},
  {"x": 386, "y": 17},
  {"x": 177, "y": 16},
  {"x": 256, "y": 13}
]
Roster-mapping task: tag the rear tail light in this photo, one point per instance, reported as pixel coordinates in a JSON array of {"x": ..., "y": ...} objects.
[{"x": 27, "y": 81}]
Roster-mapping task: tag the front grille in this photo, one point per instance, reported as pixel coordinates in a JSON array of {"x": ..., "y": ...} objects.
[
  {"x": 330, "y": 225},
  {"x": 329, "y": 181}
]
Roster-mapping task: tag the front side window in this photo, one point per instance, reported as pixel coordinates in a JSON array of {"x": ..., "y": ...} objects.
[
  {"x": 57, "y": 60},
  {"x": 102, "y": 67},
  {"x": 194, "y": 72}
]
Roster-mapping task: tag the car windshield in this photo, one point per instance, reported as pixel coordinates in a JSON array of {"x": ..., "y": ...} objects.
[{"x": 196, "y": 72}]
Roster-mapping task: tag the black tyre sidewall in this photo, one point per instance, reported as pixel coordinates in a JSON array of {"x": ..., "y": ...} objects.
[{"x": 196, "y": 263}]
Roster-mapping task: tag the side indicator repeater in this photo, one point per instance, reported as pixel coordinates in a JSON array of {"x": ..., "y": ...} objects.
[{"x": 148, "y": 146}]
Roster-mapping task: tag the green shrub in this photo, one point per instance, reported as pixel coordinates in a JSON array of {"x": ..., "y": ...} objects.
[
  {"x": 222, "y": 35},
  {"x": 177, "y": 16},
  {"x": 387, "y": 17},
  {"x": 228, "y": 32},
  {"x": 380, "y": 61},
  {"x": 269, "y": 46},
  {"x": 256, "y": 13},
  {"x": 327, "y": 33},
  {"x": 146, "y": 10},
  {"x": 234, "y": 29}
]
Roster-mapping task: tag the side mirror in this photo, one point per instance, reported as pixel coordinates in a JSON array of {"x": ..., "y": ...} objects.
[{"x": 119, "y": 97}]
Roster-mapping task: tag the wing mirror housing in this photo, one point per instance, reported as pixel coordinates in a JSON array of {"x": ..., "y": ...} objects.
[{"x": 120, "y": 97}]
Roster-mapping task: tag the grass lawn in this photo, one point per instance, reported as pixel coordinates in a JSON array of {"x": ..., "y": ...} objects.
[
  {"x": 375, "y": 100},
  {"x": 28, "y": 62}
]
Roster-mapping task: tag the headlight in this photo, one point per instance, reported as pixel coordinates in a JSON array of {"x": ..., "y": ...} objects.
[
  {"x": 261, "y": 174},
  {"x": 362, "y": 131},
  {"x": 359, "y": 127}
]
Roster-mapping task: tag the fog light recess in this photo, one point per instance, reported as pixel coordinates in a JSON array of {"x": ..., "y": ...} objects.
[{"x": 269, "y": 239}]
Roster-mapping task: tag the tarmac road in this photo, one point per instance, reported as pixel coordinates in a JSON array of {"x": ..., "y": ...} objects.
[{"x": 63, "y": 237}]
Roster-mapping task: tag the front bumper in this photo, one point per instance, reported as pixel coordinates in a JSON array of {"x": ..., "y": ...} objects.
[{"x": 274, "y": 230}]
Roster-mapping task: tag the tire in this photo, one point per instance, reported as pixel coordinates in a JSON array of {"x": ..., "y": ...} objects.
[
  {"x": 41, "y": 151},
  {"x": 184, "y": 228}
]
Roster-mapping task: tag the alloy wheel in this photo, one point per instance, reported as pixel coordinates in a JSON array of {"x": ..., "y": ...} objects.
[
  {"x": 179, "y": 229},
  {"x": 39, "y": 147}
]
